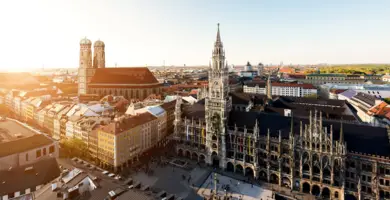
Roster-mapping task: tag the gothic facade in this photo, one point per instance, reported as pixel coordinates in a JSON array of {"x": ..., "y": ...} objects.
[{"x": 330, "y": 159}]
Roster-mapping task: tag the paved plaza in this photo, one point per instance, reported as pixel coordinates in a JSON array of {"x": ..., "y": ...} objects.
[
  {"x": 237, "y": 189},
  {"x": 182, "y": 182}
]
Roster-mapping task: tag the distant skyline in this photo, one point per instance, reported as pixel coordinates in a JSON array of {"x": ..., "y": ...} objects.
[{"x": 46, "y": 33}]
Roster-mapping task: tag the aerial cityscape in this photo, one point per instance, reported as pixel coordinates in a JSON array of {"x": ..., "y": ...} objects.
[{"x": 240, "y": 130}]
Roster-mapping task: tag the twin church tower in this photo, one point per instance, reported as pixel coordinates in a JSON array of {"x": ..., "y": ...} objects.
[{"x": 88, "y": 65}]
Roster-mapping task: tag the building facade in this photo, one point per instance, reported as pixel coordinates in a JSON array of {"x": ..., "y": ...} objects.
[
  {"x": 95, "y": 78},
  {"x": 309, "y": 155},
  {"x": 86, "y": 69},
  {"x": 27, "y": 151},
  {"x": 119, "y": 143},
  {"x": 282, "y": 89},
  {"x": 379, "y": 91}
]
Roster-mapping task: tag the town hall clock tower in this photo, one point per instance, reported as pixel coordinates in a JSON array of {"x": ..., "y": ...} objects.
[{"x": 218, "y": 106}]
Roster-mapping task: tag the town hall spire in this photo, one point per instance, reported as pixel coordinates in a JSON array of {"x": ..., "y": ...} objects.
[
  {"x": 218, "y": 36},
  {"x": 218, "y": 53}
]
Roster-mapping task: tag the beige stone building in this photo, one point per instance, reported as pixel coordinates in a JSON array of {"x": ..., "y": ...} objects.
[{"x": 123, "y": 140}]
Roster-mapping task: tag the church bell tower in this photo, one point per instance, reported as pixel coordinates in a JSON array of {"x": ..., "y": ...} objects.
[
  {"x": 85, "y": 65},
  {"x": 99, "y": 57},
  {"x": 218, "y": 105}
]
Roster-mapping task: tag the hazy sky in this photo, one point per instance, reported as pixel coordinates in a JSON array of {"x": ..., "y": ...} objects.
[{"x": 36, "y": 33}]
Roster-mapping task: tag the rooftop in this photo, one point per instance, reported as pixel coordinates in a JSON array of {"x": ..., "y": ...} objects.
[
  {"x": 382, "y": 87},
  {"x": 348, "y": 93},
  {"x": 19, "y": 179},
  {"x": 168, "y": 105},
  {"x": 366, "y": 98},
  {"x": 11, "y": 130},
  {"x": 359, "y": 138},
  {"x": 124, "y": 123},
  {"x": 129, "y": 75},
  {"x": 24, "y": 144},
  {"x": 196, "y": 111}
]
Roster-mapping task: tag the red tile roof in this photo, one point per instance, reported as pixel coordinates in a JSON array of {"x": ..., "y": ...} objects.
[
  {"x": 129, "y": 75},
  {"x": 337, "y": 91},
  {"x": 169, "y": 105},
  {"x": 302, "y": 76},
  {"x": 194, "y": 91},
  {"x": 380, "y": 109},
  {"x": 286, "y": 70}
]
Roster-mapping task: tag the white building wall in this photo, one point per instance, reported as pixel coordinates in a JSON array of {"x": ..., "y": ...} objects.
[
  {"x": 254, "y": 90},
  {"x": 17, "y": 105},
  {"x": 41, "y": 117},
  {"x": 281, "y": 91},
  {"x": 380, "y": 91},
  {"x": 69, "y": 129},
  {"x": 77, "y": 131},
  {"x": 342, "y": 97},
  {"x": 56, "y": 128}
]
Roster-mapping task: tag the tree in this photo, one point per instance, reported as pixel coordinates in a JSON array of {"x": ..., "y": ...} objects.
[
  {"x": 314, "y": 96},
  {"x": 387, "y": 100},
  {"x": 76, "y": 148}
]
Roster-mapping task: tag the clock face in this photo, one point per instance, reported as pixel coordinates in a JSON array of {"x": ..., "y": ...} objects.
[{"x": 216, "y": 83}]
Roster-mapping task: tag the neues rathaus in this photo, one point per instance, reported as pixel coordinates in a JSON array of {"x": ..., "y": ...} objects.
[{"x": 333, "y": 159}]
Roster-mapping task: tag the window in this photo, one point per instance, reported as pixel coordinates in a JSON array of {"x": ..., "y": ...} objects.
[
  {"x": 51, "y": 149},
  {"x": 44, "y": 151},
  {"x": 38, "y": 153},
  {"x": 11, "y": 195},
  {"x": 381, "y": 170}
]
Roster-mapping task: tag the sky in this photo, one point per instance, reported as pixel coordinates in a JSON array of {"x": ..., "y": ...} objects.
[{"x": 46, "y": 33}]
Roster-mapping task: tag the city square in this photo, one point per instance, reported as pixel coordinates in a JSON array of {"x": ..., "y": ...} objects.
[{"x": 154, "y": 111}]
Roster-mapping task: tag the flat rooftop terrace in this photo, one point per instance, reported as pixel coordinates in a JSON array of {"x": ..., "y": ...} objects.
[{"x": 11, "y": 130}]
